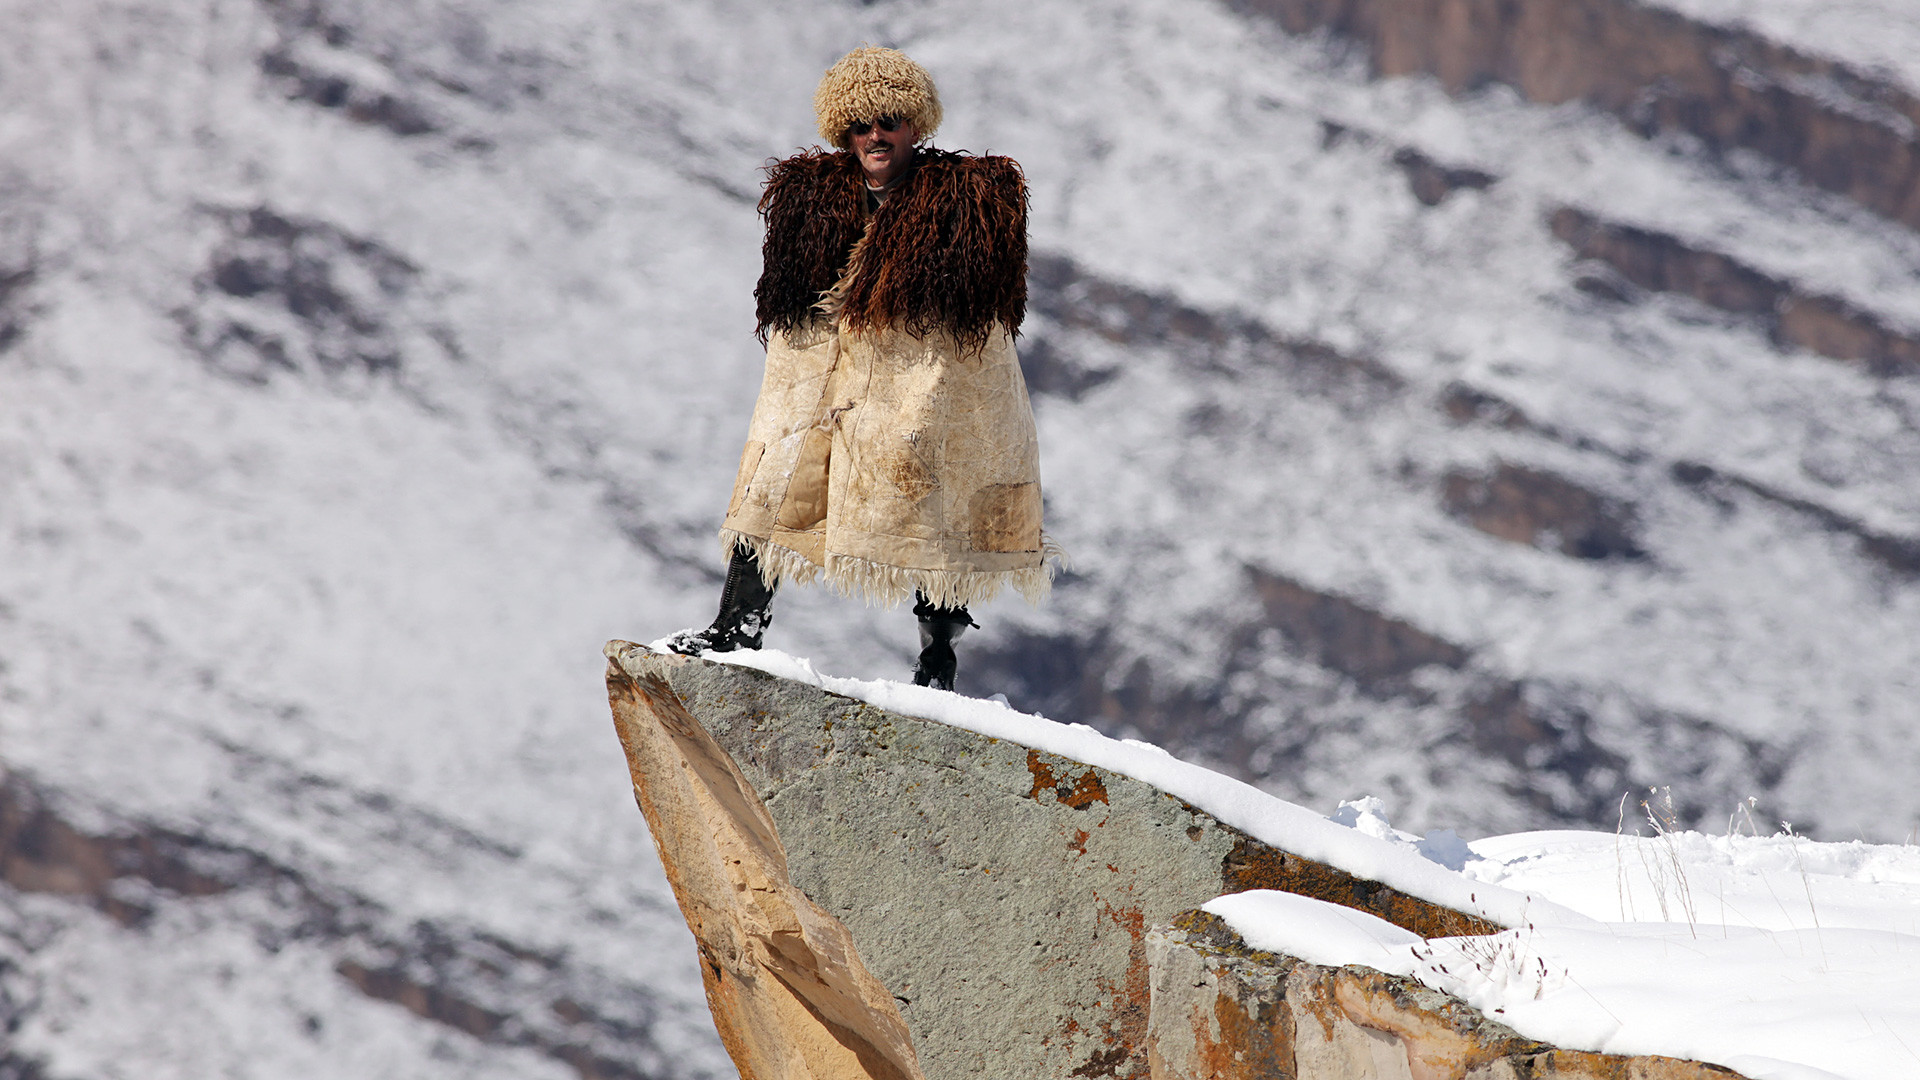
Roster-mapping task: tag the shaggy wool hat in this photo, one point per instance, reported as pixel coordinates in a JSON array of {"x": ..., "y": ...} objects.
[{"x": 872, "y": 82}]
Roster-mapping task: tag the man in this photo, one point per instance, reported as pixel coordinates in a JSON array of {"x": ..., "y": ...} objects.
[{"x": 892, "y": 450}]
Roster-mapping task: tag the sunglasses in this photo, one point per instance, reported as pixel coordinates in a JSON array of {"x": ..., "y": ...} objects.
[{"x": 885, "y": 123}]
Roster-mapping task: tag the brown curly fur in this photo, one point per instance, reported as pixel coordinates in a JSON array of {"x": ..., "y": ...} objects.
[{"x": 948, "y": 249}]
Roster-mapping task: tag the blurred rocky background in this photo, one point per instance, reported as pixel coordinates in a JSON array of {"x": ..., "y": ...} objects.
[{"x": 1497, "y": 408}]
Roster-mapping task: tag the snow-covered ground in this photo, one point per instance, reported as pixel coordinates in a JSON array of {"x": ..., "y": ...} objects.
[
  {"x": 364, "y": 366},
  {"x": 1816, "y": 1003},
  {"x": 1780, "y": 957}
]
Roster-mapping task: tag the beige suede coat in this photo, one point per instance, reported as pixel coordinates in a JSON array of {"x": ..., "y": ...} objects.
[{"x": 887, "y": 462}]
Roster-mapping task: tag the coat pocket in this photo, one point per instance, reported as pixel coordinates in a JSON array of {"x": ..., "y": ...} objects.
[
  {"x": 805, "y": 506},
  {"x": 1005, "y": 517}
]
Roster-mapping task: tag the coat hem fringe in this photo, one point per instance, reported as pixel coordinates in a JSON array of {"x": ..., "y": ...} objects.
[{"x": 888, "y": 586}]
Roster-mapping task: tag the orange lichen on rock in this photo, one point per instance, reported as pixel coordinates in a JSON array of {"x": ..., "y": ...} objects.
[
  {"x": 1439, "y": 1046},
  {"x": 1580, "y": 1065},
  {"x": 1079, "y": 792}
]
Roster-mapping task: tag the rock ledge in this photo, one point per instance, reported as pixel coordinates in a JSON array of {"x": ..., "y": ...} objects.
[{"x": 876, "y": 895}]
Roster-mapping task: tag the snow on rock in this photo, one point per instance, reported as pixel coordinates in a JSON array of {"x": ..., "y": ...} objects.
[
  {"x": 1280, "y": 823},
  {"x": 1314, "y": 930},
  {"x": 982, "y": 878},
  {"x": 1747, "y": 973},
  {"x": 1779, "y": 957},
  {"x": 1778, "y": 882}
]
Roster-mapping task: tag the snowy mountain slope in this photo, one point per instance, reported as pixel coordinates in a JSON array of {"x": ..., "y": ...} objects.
[
  {"x": 227, "y": 565},
  {"x": 362, "y": 367},
  {"x": 1698, "y": 632}
]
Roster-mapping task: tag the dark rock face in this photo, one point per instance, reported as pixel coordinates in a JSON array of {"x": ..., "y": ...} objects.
[
  {"x": 1658, "y": 71},
  {"x": 1374, "y": 649},
  {"x": 1544, "y": 729},
  {"x": 1528, "y": 506},
  {"x": 1069, "y": 298},
  {"x": 1048, "y": 372},
  {"x": 1828, "y": 325},
  {"x": 293, "y": 295},
  {"x": 1900, "y": 554},
  {"x": 1003, "y": 894},
  {"x": 1663, "y": 263},
  {"x": 1465, "y": 404},
  {"x": 13, "y": 287},
  {"x": 330, "y": 91},
  {"x": 1432, "y": 182}
]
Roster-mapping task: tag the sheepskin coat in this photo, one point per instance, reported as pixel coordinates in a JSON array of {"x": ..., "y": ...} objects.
[{"x": 892, "y": 448}]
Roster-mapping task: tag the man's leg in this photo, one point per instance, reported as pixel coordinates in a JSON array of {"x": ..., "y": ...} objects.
[
  {"x": 744, "y": 614},
  {"x": 939, "y": 629}
]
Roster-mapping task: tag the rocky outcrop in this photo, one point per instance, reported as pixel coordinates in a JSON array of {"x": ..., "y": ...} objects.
[
  {"x": 1532, "y": 506},
  {"x": 1374, "y": 648},
  {"x": 789, "y": 994},
  {"x": 1465, "y": 404},
  {"x": 1793, "y": 317},
  {"x": 1029, "y": 915},
  {"x": 1224, "y": 1011},
  {"x": 337, "y": 91},
  {"x": 1529, "y": 722},
  {"x": 1002, "y": 895},
  {"x": 1431, "y": 182},
  {"x": 1656, "y": 69},
  {"x": 13, "y": 317},
  {"x": 1897, "y": 553},
  {"x": 1066, "y": 297},
  {"x": 284, "y": 294}
]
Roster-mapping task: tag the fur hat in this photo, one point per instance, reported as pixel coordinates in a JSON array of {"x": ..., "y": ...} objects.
[{"x": 872, "y": 82}]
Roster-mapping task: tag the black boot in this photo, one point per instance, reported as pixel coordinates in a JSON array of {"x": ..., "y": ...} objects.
[
  {"x": 743, "y": 614},
  {"x": 939, "y": 629}
]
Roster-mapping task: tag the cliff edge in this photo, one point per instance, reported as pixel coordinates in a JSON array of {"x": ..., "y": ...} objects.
[{"x": 873, "y": 891}]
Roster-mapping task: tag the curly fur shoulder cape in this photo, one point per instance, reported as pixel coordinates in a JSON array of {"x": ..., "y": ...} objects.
[{"x": 946, "y": 251}]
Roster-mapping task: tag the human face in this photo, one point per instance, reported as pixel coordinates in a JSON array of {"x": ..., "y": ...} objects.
[{"x": 883, "y": 154}]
